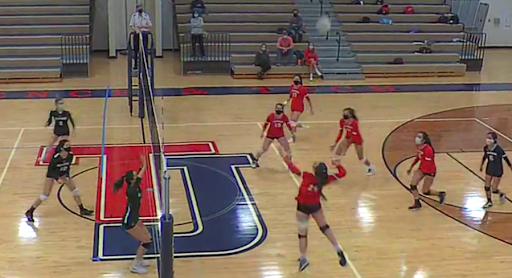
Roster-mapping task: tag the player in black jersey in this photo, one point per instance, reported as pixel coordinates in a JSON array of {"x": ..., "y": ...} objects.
[
  {"x": 61, "y": 118},
  {"x": 131, "y": 221},
  {"x": 494, "y": 155},
  {"x": 58, "y": 171}
]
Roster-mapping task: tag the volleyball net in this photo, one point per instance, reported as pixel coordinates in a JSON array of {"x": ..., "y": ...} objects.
[{"x": 163, "y": 237}]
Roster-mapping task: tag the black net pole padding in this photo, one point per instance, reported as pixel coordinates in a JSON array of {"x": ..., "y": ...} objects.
[
  {"x": 129, "y": 71},
  {"x": 167, "y": 247}
]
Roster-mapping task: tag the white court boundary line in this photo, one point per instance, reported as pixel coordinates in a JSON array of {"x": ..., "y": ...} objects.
[
  {"x": 349, "y": 262},
  {"x": 11, "y": 156},
  {"x": 252, "y": 123}
]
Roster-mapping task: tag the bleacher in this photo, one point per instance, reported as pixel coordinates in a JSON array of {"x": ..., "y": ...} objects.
[
  {"x": 376, "y": 45},
  {"x": 249, "y": 23},
  {"x": 30, "y": 36}
]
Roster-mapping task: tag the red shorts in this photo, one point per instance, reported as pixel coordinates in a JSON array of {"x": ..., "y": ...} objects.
[
  {"x": 428, "y": 173},
  {"x": 357, "y": 140},
  {"x": 274, "y": 137},
  {"x": 297, "y": 108}
]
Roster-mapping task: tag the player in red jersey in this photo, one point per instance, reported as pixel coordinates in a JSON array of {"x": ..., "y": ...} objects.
[
  {"x": 426, "y": 171},
  {"x": 297, "y": 95},
  {"x": 309, "y": 205},
  {"x": 275, "y": 123},
  {"x": 350, "y": 124}
]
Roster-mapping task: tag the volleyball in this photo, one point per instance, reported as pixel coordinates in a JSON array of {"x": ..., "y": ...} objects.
[{"x": 323, "y": 25}]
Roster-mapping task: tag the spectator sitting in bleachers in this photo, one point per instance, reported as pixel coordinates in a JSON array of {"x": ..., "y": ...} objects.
[
  {"x": 284, "y": 48},
  {"x": 198, "y": 6},
  {"x": 311, "y": 60},
  {"x": 296, "y": 27},
  {"x": 196, "y": 33},
  {"x": 262, "y": 60}
]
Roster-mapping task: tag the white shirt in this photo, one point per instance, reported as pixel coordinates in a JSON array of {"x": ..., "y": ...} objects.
[{"x": 139, "y": 20}]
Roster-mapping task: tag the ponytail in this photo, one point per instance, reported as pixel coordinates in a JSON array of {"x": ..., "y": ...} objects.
[
  {"x": 426, "y": 139},
  {"x": 126, "y": 178},
  {"x": 321, "y": 176},
  {"x": 119, "y": 184}
]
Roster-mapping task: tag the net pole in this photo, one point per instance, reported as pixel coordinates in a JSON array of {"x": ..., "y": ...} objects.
[{"x": 167, "y": 232}]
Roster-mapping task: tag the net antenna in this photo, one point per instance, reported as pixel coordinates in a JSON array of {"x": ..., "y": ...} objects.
[{"x": 164, "y": 237}]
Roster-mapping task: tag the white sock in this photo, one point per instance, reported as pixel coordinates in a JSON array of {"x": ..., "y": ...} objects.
[
  {"x": 310, "y": 76},
  {"x": 318, "y": 72},
  {"x": 337, "y": 247}
]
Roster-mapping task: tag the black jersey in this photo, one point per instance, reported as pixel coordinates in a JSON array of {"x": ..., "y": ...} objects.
[
  {"x": 494, "y": 159},
  {"x": 61, "y": 127},
  {"x": 133, "y": 196},
  {"x": 59, "y": 166}
]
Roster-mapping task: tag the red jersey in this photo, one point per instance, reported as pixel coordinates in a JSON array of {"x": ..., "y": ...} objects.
[
  {"x": 426, "y": 159},
  {"x": 276, "y": 123},
  {"x": 297, "y": 96},
  {"x": 352, "y": 131},
  {"x": 308, "y": 191},
  {"x": 310, "y": 54}
]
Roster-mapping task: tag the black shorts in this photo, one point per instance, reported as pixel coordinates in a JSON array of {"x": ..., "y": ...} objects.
[
  {"x": 130, "y": 220},
  {"x": 496, "y": 173},
  {"x": 274, "y": 138},
  {"x": 55, "y": 177},
  {"x": 61, "y": 132},
  {"x": 308, "y": 208}
]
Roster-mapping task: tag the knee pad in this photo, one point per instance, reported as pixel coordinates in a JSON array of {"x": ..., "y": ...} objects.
[
  {"x": 426, "y": 192},
  {"x": 146, "y": 245},
  {"x": 414, "y": 187},
  {"x": 302, "y": 236},
  {"x": 487, "y": 188},
  {"x": 76, "y": 192},
  {"x": 43, "y": 197},
  {"x": 324, "y": 228}
]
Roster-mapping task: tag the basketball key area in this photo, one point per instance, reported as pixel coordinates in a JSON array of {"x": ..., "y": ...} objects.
[{"x": 244, "y": 217}]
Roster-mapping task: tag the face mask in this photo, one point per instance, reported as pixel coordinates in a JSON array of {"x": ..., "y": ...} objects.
[
  {"x": 60, "y": 107},
  {"x": 279, "y": 112},
  {"x": 196, "y": 15},
  {"x": 346, "y": 117},
  {"x": 489, "y": 141},
  {"x": 295, "y": 15},
  {"x": 67, "y": 149},
  {"x": 140, "y": 11},
  {"x": 418, "y": 140},
  {"x": 311, "y": 47},
  {"x": 296, "y": 82},
  {"x": 263, "y": 49}
]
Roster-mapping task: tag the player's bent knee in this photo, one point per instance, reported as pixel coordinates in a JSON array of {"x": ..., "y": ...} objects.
[
  {"x": 302, "y": 236},
  {"x": 414, "y": 187},
  {"x": 76, "y": 192},
  {"x": 487, "y": 188},
  {"x": 427, "y": 192},
  {"x": 324, "y": 228},
  {"x": 147, "y": 245},
  {"x": 43, "y": 197}
]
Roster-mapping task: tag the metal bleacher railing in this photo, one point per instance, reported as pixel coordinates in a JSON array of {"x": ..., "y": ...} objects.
[
  {"x": 208, "y": 53},
  {"x": 473, "y": 51},
  {"x": 75, "y": 55},
  {"x": 471, "y": 13}
]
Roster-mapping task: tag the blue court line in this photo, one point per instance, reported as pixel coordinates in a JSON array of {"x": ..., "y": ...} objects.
[{"x": 263, "y": 90}]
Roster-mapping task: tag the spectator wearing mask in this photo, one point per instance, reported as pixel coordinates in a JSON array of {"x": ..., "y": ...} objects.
[
  {"x": 196, "y": 33},
  {"x": 262, "y": 60},
  {"x": 311, "y": 60},
  {"x": 140, "y": 23},
  {"x": 198, "y": 6},
  {"x": 284, "y": 48},
  {"x": 296, "y": 27}
]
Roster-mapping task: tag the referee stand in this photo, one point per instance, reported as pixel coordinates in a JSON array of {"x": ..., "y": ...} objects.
[{"x": 136, "y": 73}]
